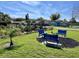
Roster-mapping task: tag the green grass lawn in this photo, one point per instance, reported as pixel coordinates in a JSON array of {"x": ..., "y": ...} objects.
[{"x": 28, "y": 46}]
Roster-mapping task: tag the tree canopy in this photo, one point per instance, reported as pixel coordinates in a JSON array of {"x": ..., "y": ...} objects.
[
  {"x": 73, "y": 20},
  {"x": 4, "y": 17},
  {"x": 55, "y": 16}
]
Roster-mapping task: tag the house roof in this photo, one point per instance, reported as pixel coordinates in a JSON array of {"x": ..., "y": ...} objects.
[{"x": 18, "y": 22}]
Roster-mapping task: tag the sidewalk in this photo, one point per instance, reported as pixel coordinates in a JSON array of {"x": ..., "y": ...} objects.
[{"x": 66, "y": 28}]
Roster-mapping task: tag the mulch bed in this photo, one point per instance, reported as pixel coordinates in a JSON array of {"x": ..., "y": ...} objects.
[{"x": 66, "y": 42}]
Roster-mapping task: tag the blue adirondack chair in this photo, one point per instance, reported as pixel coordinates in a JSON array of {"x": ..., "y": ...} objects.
[
  {"x": 41, "y": 32},
  {"x": 52, "y": 38},
  {"x": 62, "y": 32}
]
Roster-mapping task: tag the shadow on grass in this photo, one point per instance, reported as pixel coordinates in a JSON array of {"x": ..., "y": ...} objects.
[
  {"x": 66, "y": 42},
  {"x": 14, "y": 47},
  {"x": 5, "y": 48}
]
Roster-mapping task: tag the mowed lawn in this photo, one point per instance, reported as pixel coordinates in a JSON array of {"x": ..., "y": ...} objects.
[{"x": 27, "y": 46}]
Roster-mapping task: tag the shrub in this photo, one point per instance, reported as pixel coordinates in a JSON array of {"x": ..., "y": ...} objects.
[
  {"x": 28, "y": 29},
  {"x": 15, "y": 32}
]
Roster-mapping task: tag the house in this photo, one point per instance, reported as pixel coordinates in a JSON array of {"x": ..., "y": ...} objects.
[
  {"x": 60, "y": 23},
  {"x": 17, "y": 23},
  {"x": 4, "y": 23}
]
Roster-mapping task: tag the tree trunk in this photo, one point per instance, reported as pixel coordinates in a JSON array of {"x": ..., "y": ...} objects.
[{"x": 11, "y": 43}]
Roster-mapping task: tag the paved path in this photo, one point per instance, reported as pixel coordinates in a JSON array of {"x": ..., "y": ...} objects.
[{"x": 66, "y": 28}]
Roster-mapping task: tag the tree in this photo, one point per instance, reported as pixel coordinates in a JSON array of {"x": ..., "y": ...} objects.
[
  {"x": 4, "y": 17},
  {"x": 65, "y": 20},
  {"x": 41, "y": 22},
  {"x": 11, "y": 35},
  {"x": 7, "y": 18},
  {"x": 1, "y": 16},
  {"x": 19, "y": 19},
  {"x": 27, "y": 16},
  {"x": 28, "y": 21},
  {"x": 73, "y": 20},
  {"x": 55, "y": 16}
]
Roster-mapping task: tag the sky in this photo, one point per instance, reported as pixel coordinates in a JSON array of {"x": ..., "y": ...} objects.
[{"x": 37, "y": 9}]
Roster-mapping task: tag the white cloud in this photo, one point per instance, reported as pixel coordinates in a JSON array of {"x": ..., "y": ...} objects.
[
  {"x": 17, "y": 16},
  {"x": 1, "y": 8},
  {"x": 34, "y": 3},
  {"x": 12, "y": 8},
  {"x": 50, "y": 5}
]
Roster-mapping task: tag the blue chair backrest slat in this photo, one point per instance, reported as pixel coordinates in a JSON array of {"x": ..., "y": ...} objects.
[
  {"x": 61, "y": 31},
  {"x": 41, "y": 31},
  {"x": 51, "y": 37},
  {"x": 47, "y": 36}
]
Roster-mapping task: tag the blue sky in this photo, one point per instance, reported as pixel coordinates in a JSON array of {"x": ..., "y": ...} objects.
[{"x": 38, "y": 9}]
